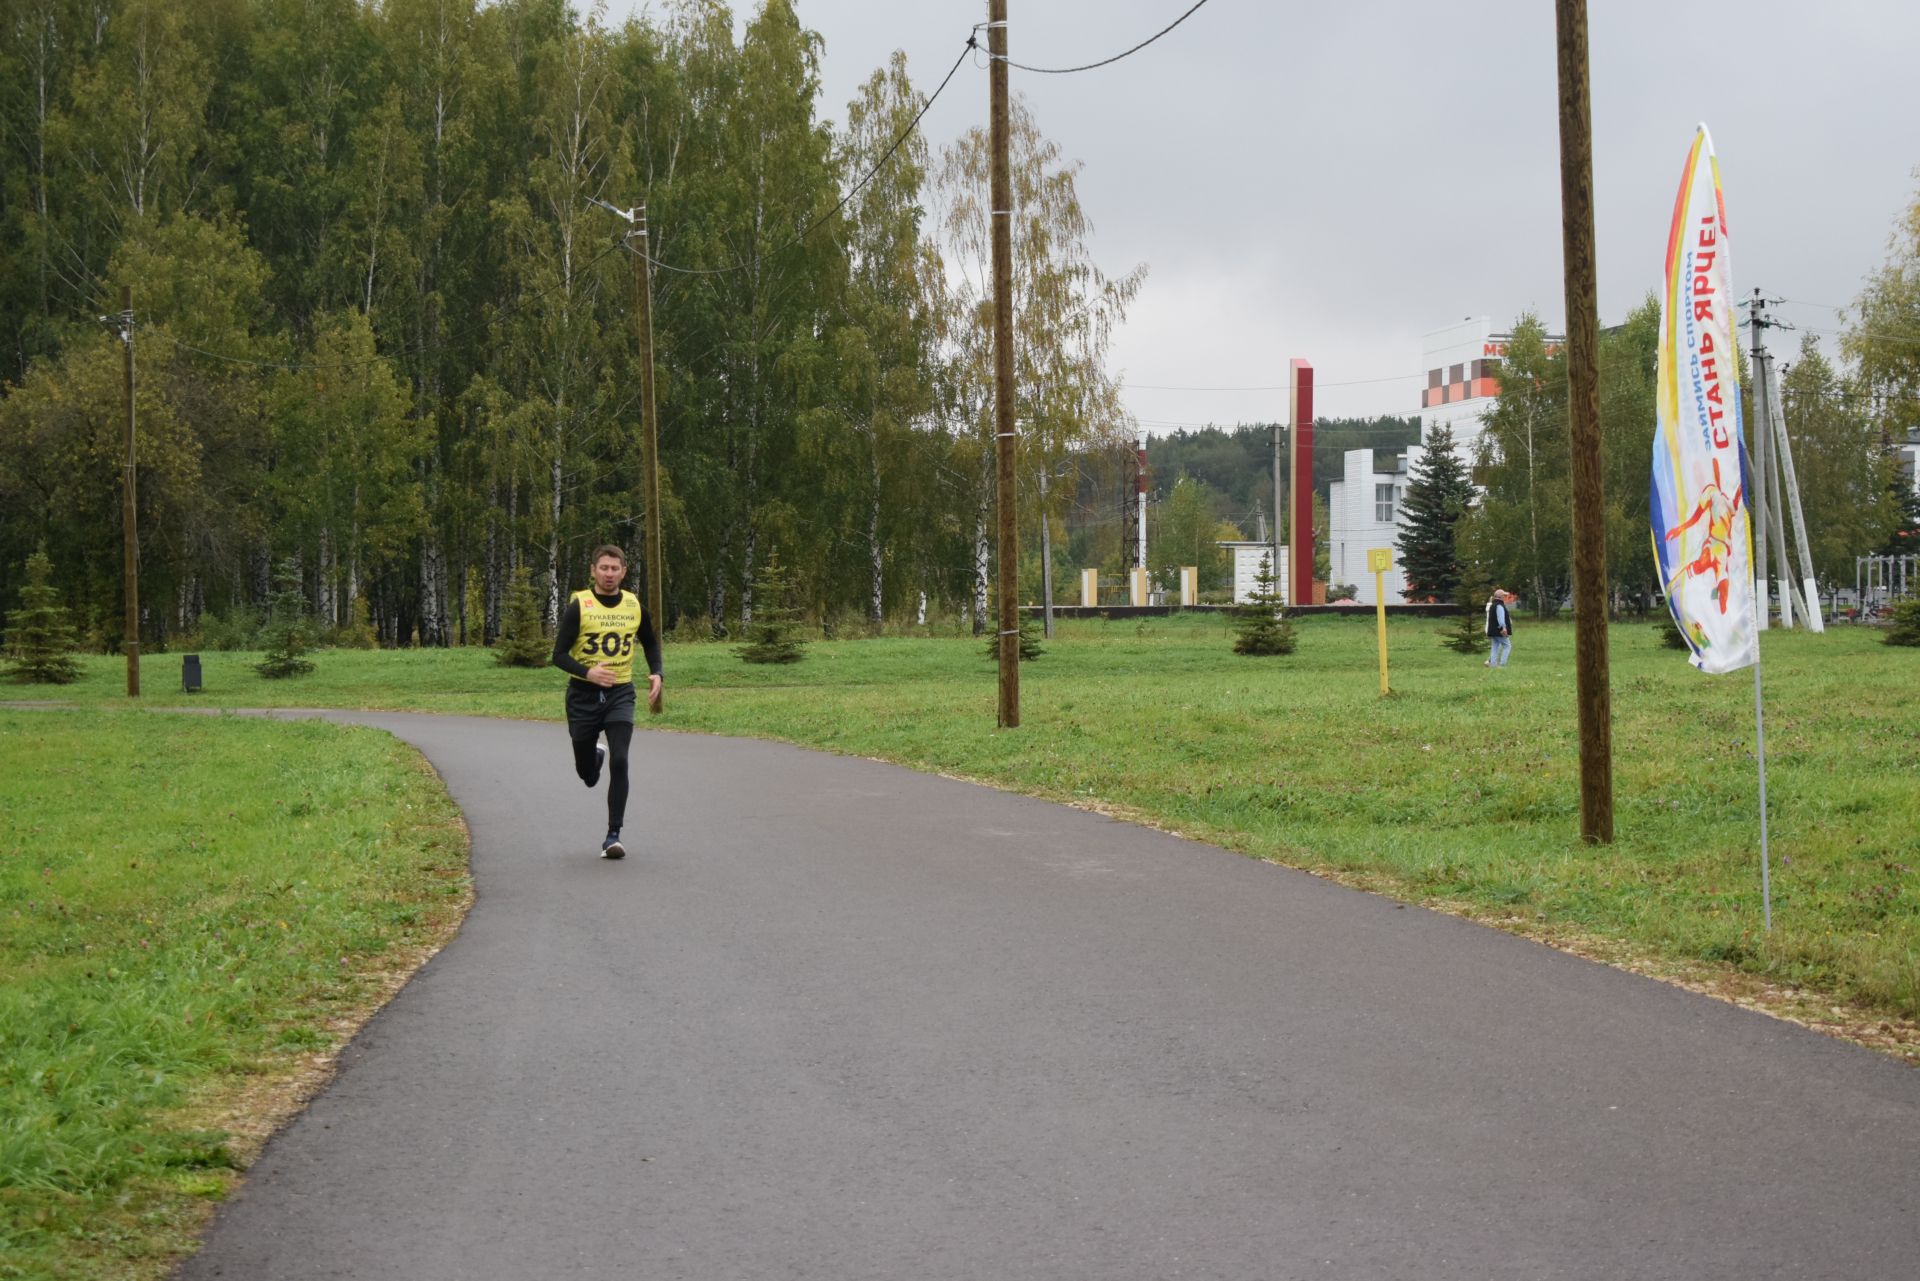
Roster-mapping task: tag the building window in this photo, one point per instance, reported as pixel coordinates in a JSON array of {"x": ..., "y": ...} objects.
[{"x": 1383, "y": 504}]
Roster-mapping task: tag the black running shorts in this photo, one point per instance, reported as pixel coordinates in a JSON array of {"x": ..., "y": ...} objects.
[{"x": 591, "y": 708}]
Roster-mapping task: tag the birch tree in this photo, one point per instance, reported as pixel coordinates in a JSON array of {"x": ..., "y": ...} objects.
[
  {"x": 1065, "y": 311},
  {"x": 558, "y": 256}
]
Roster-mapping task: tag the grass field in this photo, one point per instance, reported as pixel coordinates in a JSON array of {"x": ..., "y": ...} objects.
[
  {"x": 195, "y": 908},
  {"x": 192, "y": 911},
  {"x": 1460, "y": 789}
]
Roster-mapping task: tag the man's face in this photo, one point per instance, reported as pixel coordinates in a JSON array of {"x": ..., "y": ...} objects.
[{"x": 607, "y": 575}]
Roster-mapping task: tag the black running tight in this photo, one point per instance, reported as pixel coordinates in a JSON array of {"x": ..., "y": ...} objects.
[{"x": 619, "y": 739}]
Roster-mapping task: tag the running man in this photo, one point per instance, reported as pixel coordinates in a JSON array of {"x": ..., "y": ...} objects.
[{"x": 594, "y": 645}]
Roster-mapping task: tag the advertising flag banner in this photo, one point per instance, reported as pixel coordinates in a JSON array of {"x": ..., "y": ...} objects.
[{"x": 1702, "y": 535}]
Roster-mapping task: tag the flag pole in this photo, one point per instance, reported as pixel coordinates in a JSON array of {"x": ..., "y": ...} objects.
[{"x": 1760, "y": 751}]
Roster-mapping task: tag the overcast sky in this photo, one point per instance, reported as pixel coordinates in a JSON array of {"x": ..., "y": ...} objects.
[{"x": 1332, "y": 181}]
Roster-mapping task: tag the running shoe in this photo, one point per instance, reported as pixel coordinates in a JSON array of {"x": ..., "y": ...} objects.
[
  {"x": 611, "y": 847},
  {"x": 599, "y": 763}
]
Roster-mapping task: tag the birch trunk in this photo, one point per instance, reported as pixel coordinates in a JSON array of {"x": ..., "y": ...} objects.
[
  {"x": 324, "y": 578},
  {"x": 433, "y": 593},
  {"x": 982, "y": 562}
]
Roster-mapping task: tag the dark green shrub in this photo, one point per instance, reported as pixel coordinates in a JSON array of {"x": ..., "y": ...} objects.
[
  {"x": 289, "y": 631},
  {"x": 523, "y": 640},
  {"x": 40, "y": 634},
  {"x": 774, "y": 634},
  {"x": 1906, "y": 623},
  {"x": 1262, "y": 627}
]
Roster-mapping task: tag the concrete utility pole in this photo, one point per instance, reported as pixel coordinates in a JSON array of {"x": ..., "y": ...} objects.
[
  {"x": 1775, "y": 467},
  {"x": 1279, "y": 502},
  {"x": 1003, "y": 429},
  {"x": 1140, "y": 500},
  {"x": 1046, "y": 560},
  {"x": 1760, "y": 501},
  {"x": 1809, "y": 588},
  {"x": 1583, "y": 427},
  {"x": 130, "y": 543},
  {"x": 649, "y": 426}
]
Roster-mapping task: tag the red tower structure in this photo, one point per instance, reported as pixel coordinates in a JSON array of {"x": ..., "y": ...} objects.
[{"x": 1300, "y": 541}]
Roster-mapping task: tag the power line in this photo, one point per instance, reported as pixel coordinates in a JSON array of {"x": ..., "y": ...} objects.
[
  {"x": 1104, "y": 62},
  {"x": 1912, "y": 340},
  {"x": 1353, "y": 382},
  {"x": 1846, "y": 333},
  {"x": 1247, "y": 424},
  {"x": 817, "y": 223}
]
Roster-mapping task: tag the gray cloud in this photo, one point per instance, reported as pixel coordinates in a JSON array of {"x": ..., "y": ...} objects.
[{"x": 1331, "y": 181}]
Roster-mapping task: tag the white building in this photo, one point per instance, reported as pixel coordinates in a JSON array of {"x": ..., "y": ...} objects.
[
  {"x": 1462, "y": 363},
  {"x": 1363, "y": 506},
  {"x": 1907, "y": 457},
  {"x": 1363, "y": 512},
  {"x": 1247, "y": 558}
]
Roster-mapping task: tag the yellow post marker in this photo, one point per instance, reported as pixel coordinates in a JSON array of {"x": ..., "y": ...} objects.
[{"x": 1380, "y": 560}]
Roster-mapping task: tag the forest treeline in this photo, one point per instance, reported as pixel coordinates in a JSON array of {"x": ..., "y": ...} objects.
[
  {"x": 382, "y": 331},
  {"x": 384, "y": 335}
]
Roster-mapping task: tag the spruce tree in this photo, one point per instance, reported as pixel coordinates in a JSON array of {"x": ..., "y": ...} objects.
[
  {"x": 1906, "y": 623},
  {"x": 1438, "y": 496},
  {"x": 523, "y": 638},
  {"x": 774, "y": 634},
  {"x": 1904, "y": 538},
  {"x": 1030, "y": 647},
  {"x": 1468, "y": 634},
  {"x": 1669, "y": 630},
  {"x": 289, "y": 632},
  {"x": 1262, "y": 625},
  {"x": 41, "y": 636}
]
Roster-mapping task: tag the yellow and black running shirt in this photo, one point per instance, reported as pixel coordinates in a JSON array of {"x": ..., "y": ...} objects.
[{"x": 608, "y": 633}]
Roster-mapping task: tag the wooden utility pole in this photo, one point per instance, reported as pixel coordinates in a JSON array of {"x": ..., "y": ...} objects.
[
  {"x": 130, "y": 543},
  {"x": 1583, "y": 428},
  {"x": 649, "y": 425},
  {"x": 1008, "y": 570}
]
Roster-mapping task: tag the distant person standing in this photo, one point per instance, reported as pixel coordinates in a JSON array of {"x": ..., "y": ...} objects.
[
  {"x": 594, "y": 645},
  {"x": 1499, "y": 627}
]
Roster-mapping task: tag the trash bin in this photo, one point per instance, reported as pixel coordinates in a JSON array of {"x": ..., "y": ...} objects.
[{"x": 190, "y": 673}]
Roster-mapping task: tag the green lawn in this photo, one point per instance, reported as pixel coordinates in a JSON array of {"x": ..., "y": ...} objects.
[
  {"x": 190, "y": 903},
  {"x": 1459, "y": 789},
  {"x": 192, "y": 910}
]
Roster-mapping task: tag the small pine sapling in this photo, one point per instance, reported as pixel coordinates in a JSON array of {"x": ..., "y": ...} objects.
[
  {"x": 1906, "y": 623},
  {"x": 523, "y": 638},
  {"x": 1261, "y": 625},
  {"x": 1468, "y": 634},
  {"x": 774, "y": 634},
  {"x": 1030, "y": 636},
  {"x": 1670, "y": 634},
  {"x": 41, "y": 634},
  {"x": 289, "y": 633}
]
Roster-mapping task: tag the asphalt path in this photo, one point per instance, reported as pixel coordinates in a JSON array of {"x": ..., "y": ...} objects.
[{"x": 835, "y": 1019}]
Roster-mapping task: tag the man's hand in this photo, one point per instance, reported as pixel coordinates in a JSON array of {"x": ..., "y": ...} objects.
[
  {"x": 653, "y": 687},
  {"x": 601, "y": 676}
]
